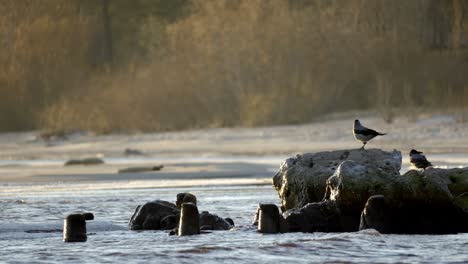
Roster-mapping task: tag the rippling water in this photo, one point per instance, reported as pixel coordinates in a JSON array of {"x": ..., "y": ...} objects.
[{"x": 30, "y": 223}]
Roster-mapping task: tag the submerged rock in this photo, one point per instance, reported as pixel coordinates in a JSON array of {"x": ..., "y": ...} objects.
[
  {"x": 213, "y": 222},
  {"x": 302, "y": 179},
  {"x": 152, "y": 216},
  {"x": 314, "y": 217},
  {"x": 208, "y": 221},
  {"x": 162, "y": 215},
  {"x": 85, "y": 161}
]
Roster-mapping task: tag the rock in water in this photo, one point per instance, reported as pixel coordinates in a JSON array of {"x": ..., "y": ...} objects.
[
  {"x": 185, "y": 198},
  {"x": 189, "y": 223},
  {"x": 429, "y": 202},
  {"x": 268, "y": 219},
  {"x": 375, "y": 215},
  {"x": 314, "y": 217},
  {"x": 302, "y": 179},
  {"x": 162, "y": 215},
  {"x": 362, "y": 195},
  {"x": 152, "y": 216},
  {"x": 213, "y": 222},
  {"x": 74, "y": 227}
]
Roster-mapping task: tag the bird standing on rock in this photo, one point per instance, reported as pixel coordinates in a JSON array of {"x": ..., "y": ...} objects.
[
  {"x": 418, "y": 160},
  {"x": 363, "y": 133}
]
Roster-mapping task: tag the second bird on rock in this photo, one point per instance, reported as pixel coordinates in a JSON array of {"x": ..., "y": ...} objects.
[
  {"x": 418, "y": 160},
  {"x": 363, "y": 133}
]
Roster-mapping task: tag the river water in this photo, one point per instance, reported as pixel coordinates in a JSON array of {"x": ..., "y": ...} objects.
[{"x": 31, "y": 220}]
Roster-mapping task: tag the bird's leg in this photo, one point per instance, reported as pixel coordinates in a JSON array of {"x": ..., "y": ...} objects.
[{"x": 364, "y": 144}]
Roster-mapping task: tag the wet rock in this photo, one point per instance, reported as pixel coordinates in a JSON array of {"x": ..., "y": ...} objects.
[
  {"x": 170, "y": 222},
  {"x": 362, "y": 195},
  {"x": 461, "y": 201},
  {"x": 314, "y": 217},
  {"x": 349, "y": 190},
  {"x": 213, "y": 222},
  {"x": 189, "y": 223},
  {"x": 412, "y": 217},
  {"x": 141, "y": 169},
  {"x": 74, "y": 227},
  {"x": 162, "y": 215},
  {"x": 268, "y": 219},
  {"x": 153, "y": 216},
  {"x": 376, "y": 215},
  {"x": 302, "y": 179},
  {"x": 230, "y": 221},
  {"x": 185, "y": 198},
  {"x": 85, "y": 162}
]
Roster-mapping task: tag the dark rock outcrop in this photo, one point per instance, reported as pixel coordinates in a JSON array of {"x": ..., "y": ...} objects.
[
  {"x": 162, "y": 215},
  {"x": 412, "y": 218},
  {"x": 213, "y": 222},
  {"x": 314, "y": 217},
  {"x": 153, "y": 216}
]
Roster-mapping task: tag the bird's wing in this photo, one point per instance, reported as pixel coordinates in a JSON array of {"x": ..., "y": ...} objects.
[
  {"x": 418, "y": 158},
  {"x": 367, "y": 132}
]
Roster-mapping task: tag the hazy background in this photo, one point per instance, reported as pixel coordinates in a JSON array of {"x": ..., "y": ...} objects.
[{"x": 149, "y": 65}]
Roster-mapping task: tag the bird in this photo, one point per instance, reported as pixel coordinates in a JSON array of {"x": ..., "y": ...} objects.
[
  {"x": 363, "y": 133},
  {"x": 418, "y": 160}
]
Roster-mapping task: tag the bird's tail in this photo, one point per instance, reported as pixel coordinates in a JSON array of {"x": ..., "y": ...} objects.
[{"x": 381, "y": 134}]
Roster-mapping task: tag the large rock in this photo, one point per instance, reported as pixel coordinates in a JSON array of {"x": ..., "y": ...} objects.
[
  {"x": 162, "y": 215},
  {"x": 154, "y": 216},
  {"x": 433, "y": 201},
  {"x": 427, "y": 193},
  {"x": 302, "y": 179}
]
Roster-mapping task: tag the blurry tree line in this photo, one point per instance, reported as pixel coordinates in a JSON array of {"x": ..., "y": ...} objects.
[{"x": 146, "y": 65}]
